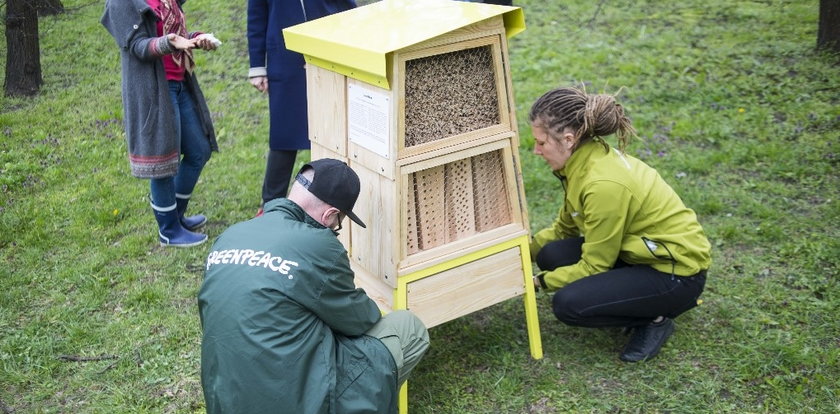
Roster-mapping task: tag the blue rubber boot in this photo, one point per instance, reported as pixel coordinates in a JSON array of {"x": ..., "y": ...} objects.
[
  {"x": 170, "y": 230},
  {"x": 191, "y": 223}
]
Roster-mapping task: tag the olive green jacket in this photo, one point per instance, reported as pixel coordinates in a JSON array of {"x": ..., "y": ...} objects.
[
  {"x": 283, "y": 324},
  {"x": 624, "y": 210}
]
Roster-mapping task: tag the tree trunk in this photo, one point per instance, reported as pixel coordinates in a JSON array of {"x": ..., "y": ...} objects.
[
  {"x": 50, "y": 7},
  {"x": 828, "y": 35},
  {"x": 23, "y": 60}
]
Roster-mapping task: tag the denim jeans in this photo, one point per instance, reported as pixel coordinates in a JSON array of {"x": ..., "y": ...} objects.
[
  {"x": 195, "y": 149},
  {"x": 626, "y": 295}
]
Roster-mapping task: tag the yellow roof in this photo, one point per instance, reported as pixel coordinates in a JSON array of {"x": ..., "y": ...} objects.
[{"x": 356, "y": 43}]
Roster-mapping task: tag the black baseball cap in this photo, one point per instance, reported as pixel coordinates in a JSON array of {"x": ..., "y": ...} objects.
[{"x": 334, "y": 183}]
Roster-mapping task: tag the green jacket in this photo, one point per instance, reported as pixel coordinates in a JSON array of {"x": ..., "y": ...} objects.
[
  {"x": 624, "y": 210},
  {"x": 283, "y": 324}
]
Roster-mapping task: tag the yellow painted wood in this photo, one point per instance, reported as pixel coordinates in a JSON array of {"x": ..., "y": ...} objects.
[
  {"x": 532, "y": 320},
  {"x": 531, "y": 317},
  {"x": 403, "y": 401},
  {"x": 450, "y": 264},
  {"x": 358, "y": 42}
]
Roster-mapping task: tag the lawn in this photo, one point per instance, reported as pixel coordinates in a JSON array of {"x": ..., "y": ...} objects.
[{"x": 733, "y": 104}]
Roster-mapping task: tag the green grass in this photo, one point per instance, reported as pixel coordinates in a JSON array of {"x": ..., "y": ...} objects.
[{"x": 733, "y": 106}]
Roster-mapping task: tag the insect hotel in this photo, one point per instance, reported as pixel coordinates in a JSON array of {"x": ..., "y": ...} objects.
[{"x": 416, "y": 97}]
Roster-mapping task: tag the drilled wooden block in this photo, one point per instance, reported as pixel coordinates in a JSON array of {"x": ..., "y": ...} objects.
[
  {"x": 491, "y": 205},
  {"x": 457, "y": 200},
  {"x": 460, "y": 214}
]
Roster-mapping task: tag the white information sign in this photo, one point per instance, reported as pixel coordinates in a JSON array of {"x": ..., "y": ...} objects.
[{"x": 369, "y": 118}]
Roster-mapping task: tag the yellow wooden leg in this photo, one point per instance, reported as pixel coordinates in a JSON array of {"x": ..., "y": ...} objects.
[
  {"x": 401, "y": 302},
  {"x": 532, "y": 320},
  {"x": 404, "y": 398}
]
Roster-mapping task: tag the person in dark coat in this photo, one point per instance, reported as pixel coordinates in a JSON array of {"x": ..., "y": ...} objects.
[
  {"x": 280, "y": 73},
  {"x": 284, "y": 328},
  {"x": 168, "y": 127}
]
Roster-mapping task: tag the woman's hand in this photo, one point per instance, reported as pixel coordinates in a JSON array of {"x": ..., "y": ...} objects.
[
  {"x": 180, "y": 42},
  {"x": 206, "y": 41},
  {"x": 260, "y": 82}
]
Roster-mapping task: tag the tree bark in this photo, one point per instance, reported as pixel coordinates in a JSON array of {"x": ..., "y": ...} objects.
[
  {"x": 23, "y": 60},
  {"x": 50, "y": 7},
  {"x": 828, "y": 35}
]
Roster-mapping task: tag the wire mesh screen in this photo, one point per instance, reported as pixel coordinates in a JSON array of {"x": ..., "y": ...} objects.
[
  {"x": 456, "y": 200},
  {"x": 449, "y": 94}
]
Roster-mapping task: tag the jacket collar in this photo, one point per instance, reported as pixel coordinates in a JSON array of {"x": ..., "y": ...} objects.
[
  {"x": 579, "y": 158},
  {"x": 291, "y": 209}
]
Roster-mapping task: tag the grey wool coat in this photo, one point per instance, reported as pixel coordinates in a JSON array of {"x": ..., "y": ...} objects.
[{"x": 148, "y": 115}]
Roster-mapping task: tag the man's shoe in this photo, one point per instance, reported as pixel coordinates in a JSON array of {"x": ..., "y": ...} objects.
[{"x": 647, "y": 340}]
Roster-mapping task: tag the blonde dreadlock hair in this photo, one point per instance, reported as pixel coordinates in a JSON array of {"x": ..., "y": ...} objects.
[{"x": 590, "y": 116}]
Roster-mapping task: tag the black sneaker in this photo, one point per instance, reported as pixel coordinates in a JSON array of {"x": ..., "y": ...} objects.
[{"x": 647, "y": 340}]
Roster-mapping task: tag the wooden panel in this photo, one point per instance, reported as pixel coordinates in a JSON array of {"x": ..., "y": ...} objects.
[
  {"x": 375, "y": 248},
  {"x": 375, "y": 287},
  {"x": 318, "y": 152},
  {"x": 325, "y": 103},
  {"x": 465, "y": 289}
]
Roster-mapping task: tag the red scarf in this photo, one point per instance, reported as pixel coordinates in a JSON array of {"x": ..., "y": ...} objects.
[{"x": 174, "y": 22}]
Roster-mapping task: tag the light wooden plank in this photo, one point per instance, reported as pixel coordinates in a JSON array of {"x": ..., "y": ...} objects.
[
  {"x": 374, "y": 286},
  {"x": 325, "y": 103},
  {"x": 373, "y": 247},
  {"x": 465, "y": 289}
]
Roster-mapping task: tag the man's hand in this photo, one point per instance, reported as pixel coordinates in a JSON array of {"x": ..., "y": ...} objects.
[{"x": 260, "y": 82}]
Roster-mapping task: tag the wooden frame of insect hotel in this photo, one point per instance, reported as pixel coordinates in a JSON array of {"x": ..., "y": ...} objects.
[{"x": 416, "y": 96}]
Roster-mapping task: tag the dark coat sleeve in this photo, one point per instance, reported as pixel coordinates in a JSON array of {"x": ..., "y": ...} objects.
[{"x": 258, "y": 12}]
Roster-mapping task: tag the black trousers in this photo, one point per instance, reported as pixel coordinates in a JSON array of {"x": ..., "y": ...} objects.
[
  {"x": 278, "y": 173},
  {"x": 626, "y": 295}
]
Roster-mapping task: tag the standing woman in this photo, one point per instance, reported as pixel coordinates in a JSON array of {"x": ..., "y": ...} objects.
[
  {"x": 280, "y": 73},
  {"x": 624, "y": 250},
  {"x": 167, "y": 123}
]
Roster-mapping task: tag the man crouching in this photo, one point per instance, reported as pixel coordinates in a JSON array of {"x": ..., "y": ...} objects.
[{"x": 284, "y": 328}]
